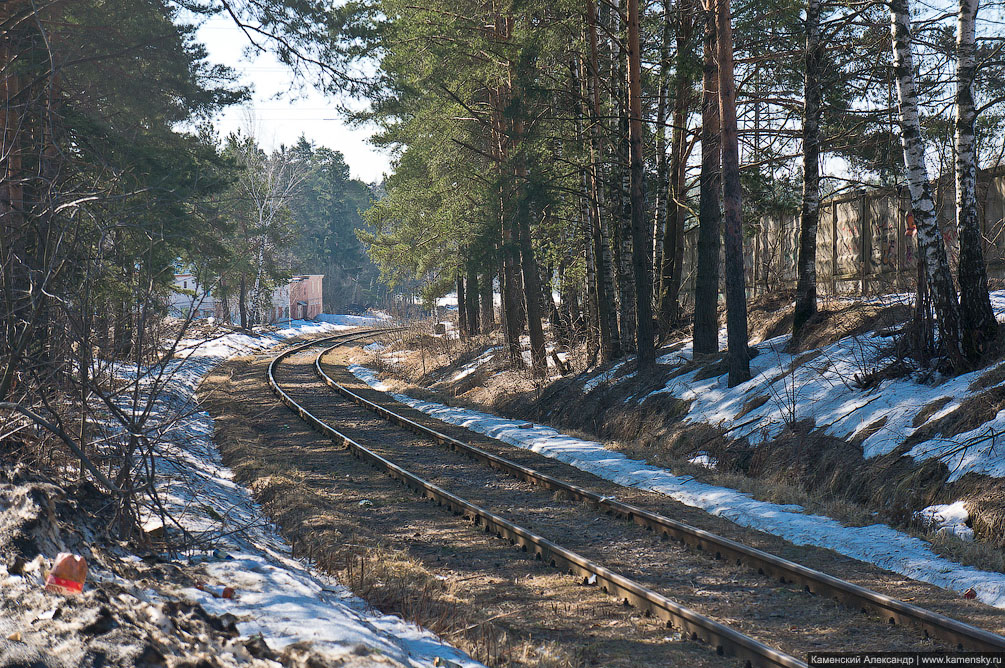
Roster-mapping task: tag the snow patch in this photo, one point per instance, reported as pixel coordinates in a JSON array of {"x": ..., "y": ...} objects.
[
  {"x": 948, "y": 519},
  {"x": 354, "y": 320},
  {"x": 604, "y": 377},
  {"x": 828, "y": 389},
  {"x": 473, "y": 365},
  {"x": 704, "y": 459}
]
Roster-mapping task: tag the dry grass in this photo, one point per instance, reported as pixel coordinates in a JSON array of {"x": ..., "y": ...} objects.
[
  {"x": 426, "y": 567},
  {"x": 978, "y": 554},
  {"x": 928, "y": 410},
  {"x": 970, "y": 414},
  {"x": 387, "y": 577},
  {"x": 985, "y": 506},
  {"x": 752, "y": 405},
  {"x": 995, "y": 376},
  {"x": 829, "y": 326}
]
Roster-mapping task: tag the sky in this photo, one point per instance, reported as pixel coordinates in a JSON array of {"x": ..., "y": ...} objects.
[{"x": 281, "y": 114}]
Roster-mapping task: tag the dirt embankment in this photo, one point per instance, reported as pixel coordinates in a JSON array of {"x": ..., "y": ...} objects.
[
  {"x": 132, "y": 612},
  {"x": 803, "y": 465}
]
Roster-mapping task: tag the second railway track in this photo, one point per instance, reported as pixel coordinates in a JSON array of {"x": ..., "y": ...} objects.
[{"x": 689, "y": 588}]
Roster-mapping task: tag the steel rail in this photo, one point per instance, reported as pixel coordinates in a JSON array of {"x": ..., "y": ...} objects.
[
  {"x": 947, "y": 629},
  {"x": 725, "y": 640}
]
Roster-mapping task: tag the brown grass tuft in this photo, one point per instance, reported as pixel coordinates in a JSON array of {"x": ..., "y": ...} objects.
[{"x": 928, "y": 410}]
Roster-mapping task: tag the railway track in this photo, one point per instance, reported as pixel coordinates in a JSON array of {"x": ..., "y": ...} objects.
[{"x": 531, "y": 489}]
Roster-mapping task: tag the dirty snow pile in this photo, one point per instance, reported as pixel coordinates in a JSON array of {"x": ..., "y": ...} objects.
[
  {"x": 276, "y": 596},
  {"x": 129, "y": 614},
  {"x": 878, "y": 544}
]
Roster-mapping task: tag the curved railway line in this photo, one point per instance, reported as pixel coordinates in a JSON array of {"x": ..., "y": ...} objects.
[{"x": 523, "y": 505}]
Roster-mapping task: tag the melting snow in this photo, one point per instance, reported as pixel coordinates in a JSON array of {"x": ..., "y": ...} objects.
[
  {"x": 604, "y": 377},
  {"x": 878, "y": 544},
  {"x": 704, "y": 459},
  {"x": 473, "y": 365},
  {"x": 947, "y": 518},
  {"x": 353, "y": 320},
  {"x": 277, "y": 595},
  {"x": 827, "y": 389}
]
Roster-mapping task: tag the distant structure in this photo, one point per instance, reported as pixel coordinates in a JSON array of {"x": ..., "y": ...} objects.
[
  {"x": 304, "y": 296},
  {"x": 299, "y": 299},
  {"x": 188, "y": 294}
]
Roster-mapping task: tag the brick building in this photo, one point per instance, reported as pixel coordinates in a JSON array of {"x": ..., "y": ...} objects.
[
  {"x": 298, "y": 299},
  {"x": 305, "y": 296}
]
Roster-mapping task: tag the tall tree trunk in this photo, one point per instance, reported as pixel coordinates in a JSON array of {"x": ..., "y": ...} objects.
[
  {"x": 608, "y": 315},
  {"x": 662, "y": 178},
  {"x": 471, "y": 297},
  {"x": 706, "y": 283},
  {"x": 595, "y": 326},
  {"x": 487, "y": 302},
  {"x": 806, "y": 269},
  {"x": 511, "y": 294},
  {"x": 736, "y": 293},
  {"x": 978, "y": 319},
  {"x": 673, "y": 244},
  {"x": 462, "y": 307},
  {"x": 641, "y": 243},
  {"x": 568, "y": 307},
  {"x": 242, "y": 301},
  {"x": 15, "y": 282},
  {"x": 509, "y": 249},
  {"x": 223, "y": 299},
  {"x": 549, "y": 308},
  {"x": 531, "y": 273},
  {"x": 622, "y": 184},
  {"x": 932, "y": 248}
]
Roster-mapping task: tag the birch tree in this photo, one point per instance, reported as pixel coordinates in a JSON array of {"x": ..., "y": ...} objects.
[
  {"x": 261, "y": 206},
  {"x": 930, "y": 243}
]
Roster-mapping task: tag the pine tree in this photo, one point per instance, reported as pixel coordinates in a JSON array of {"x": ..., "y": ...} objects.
[{"x": 736, "y": 298}]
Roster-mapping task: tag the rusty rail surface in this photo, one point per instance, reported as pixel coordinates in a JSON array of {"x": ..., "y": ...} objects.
[
  {"x": 947, "y": 629},
  {"x": 725, "y": 640}
]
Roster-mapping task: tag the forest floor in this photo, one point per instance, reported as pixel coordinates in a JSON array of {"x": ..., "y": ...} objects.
[{"x": 858, "y": 446}]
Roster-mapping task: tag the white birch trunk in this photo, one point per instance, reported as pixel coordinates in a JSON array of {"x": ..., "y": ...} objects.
[{"x": 933, "y": 250}]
